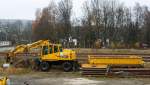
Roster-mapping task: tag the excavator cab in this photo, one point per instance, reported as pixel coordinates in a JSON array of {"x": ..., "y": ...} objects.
[{"x": 51, "y": 52}]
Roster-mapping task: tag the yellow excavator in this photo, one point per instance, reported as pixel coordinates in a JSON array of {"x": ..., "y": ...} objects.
[{"x": 49, "y": 54}]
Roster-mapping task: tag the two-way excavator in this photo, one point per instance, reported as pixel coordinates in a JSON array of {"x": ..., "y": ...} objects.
[{"x": 49, "y": 54}]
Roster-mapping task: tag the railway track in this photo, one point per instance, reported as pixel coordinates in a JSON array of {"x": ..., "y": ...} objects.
[
  {"x": 136, "y": 72},
  {"x": 114, "y": 72},
  {"x": 117, "y": 72},
  {"x": 93, "y": 72}
]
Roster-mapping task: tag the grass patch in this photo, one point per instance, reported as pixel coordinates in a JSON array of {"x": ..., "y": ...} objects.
[{"x": 14, "y": 71}]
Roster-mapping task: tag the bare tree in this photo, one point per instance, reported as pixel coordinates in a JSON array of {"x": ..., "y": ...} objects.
[
  {"x": 108, "y": 20},
  {"x": 65, "y": 10},
  {"x": 44, "y": 25},
  {"x": 146, "y": 26}
]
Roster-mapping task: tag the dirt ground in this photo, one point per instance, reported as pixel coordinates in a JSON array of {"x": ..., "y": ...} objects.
[{"x": 63, "y": 78}]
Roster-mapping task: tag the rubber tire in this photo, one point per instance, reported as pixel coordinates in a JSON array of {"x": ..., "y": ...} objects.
[
  {"x": 67, "y": 66},
  {"x": 76, "y": 66},
  {"x": 44, "y": 66}
]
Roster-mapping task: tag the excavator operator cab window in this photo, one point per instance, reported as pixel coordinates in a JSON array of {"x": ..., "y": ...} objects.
[
  {"x": 55, "y": 49},
  {"x": 45, "y": 50},
  {"x": 50, "y": 49},
  {"x": 60, "y": 48}
]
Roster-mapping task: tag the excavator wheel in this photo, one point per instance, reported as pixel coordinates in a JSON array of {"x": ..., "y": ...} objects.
[
  {"x": 44, "y": 66},
  {"x": 67, "y": 66}
]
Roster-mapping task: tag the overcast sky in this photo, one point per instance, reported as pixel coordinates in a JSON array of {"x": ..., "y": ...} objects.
[{"x": 25, "y": 9}]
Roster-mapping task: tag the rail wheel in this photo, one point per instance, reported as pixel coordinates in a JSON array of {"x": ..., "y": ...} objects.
[
  {"x": 67, "y": 66},
  {"x": 44, "y": 66}
]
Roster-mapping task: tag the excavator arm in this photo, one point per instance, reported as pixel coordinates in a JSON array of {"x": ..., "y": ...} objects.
[
  {"x": 26, "y": 48},
  {"x": 37, "y": 44}
]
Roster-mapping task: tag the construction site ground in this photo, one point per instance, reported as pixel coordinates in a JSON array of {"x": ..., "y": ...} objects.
[
  {"x": 58, "y": 77},
  {"x": 62, "y": 78}
]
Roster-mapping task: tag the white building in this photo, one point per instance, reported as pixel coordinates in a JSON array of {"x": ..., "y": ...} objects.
[{"x": 5, "y": 43}]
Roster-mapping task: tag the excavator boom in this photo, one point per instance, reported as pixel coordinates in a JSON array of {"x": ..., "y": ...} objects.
[{"x": 27, "y": 48}]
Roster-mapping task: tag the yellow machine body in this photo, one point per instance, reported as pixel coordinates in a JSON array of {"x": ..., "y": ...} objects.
[
  {"x": 128, "y": 60},
  {"x": 93, "y": 66},
  {"x": 48, "y": 51},
  {"x": 56, "y": 53},
  {"x": 3, "y": 81},
  {"x": 104, "y": 61}
]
